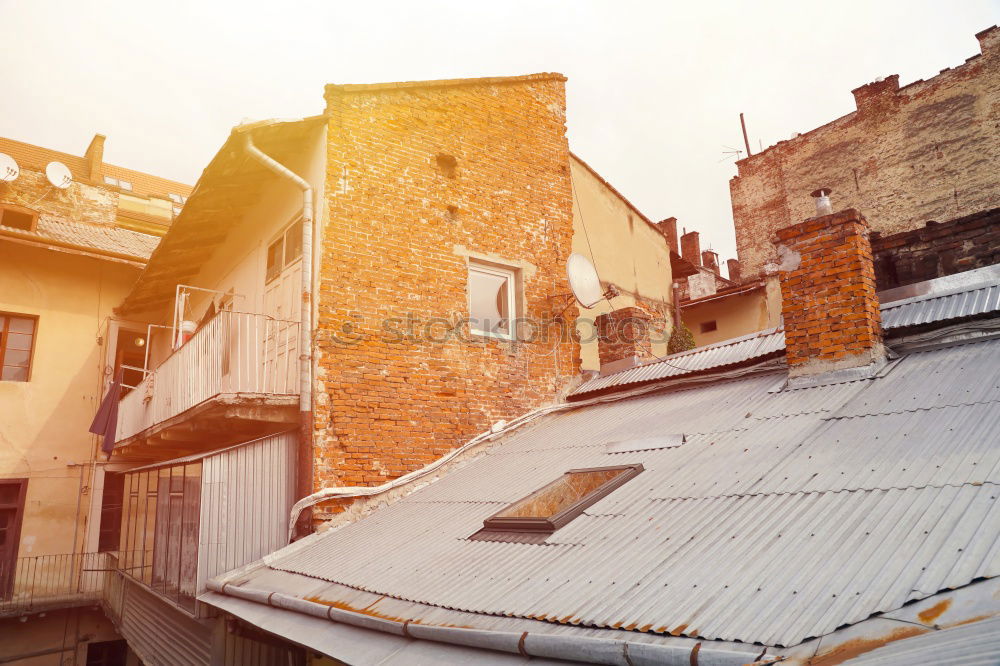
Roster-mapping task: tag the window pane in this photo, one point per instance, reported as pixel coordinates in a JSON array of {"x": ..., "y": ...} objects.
[
  {"x": 488, "y": 296},
  {"x": 293, "y": 242},
  {"x": 18, "y": 341},
  {"x": 16, "y": 357},
  {"x": 14, "y": 374},
  {"x": 22, "y": 325},
  {"x": 559, "y": 495},
  {"x": 274, "y": 256}
]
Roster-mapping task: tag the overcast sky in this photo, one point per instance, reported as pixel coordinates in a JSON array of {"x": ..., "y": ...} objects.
[{"x": 654, "y": 93}]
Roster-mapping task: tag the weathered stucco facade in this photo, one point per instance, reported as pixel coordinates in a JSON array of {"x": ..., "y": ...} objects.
[
  {"x": 422, "y": 180},
  {"x": 926, "y": 151},
  {"x": 628, "y": 251},
  {"x": 67, "y": 257}
]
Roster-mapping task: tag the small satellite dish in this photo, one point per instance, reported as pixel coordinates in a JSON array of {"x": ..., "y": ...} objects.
[
  {"x": 9, "y": 170},
  {"x": 584, "y": 281},
  {"x": 58, "y": 174}
]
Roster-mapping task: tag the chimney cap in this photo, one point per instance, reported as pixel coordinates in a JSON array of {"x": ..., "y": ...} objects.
[{"x": 821, "y": 192}]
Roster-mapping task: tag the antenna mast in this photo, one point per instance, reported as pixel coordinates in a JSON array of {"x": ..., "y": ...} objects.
[{"x": 746, "y": 141}]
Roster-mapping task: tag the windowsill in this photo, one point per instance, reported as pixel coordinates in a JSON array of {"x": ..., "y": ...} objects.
[{"x": 492, "y": 336}]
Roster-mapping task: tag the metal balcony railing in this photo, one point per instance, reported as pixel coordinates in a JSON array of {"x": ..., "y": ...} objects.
[
  {"x": 235, "y": 352},
  {"x": 30, "y": 584}
]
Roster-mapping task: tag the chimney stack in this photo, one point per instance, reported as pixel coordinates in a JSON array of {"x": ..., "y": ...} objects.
[
  {"x": 691, "y": 247},
  {"x": 882, "y": 93},
  {"x": 734, "y": 270},
  {"x": 95, "y": 158},
  {"x": 710, "y": 260},
  {"x": 989, "y": 41},
  {"x": 622, "y": 339},
  {"x": 668, "y": 228},
  {"x": 831, "y": 313}
]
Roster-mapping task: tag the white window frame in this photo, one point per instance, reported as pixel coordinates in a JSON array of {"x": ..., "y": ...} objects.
[{"x": 510, "y": 275}]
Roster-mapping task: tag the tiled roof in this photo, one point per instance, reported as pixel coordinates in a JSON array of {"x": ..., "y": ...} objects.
[
  {"x": 131, "y": 244},
  {"x": 36, "y": 157}
]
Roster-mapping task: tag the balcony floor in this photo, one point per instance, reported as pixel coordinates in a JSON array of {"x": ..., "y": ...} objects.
[{"x": 224, "y": 419}]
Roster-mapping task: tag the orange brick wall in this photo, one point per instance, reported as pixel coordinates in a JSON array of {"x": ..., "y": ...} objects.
[
  {"x": 402, "y": 222},
  {"x": 831, "y": 314}
]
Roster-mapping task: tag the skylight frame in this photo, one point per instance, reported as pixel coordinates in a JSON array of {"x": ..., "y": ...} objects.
[{"x": 499, "y": 524}]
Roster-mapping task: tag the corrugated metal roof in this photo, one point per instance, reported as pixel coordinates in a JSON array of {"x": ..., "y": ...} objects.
[
  {"x": 954, "y": 297},
  {"x": 976, "y": 643},
  {"x": 738, "y": 350},
  {"x": 90, "y": 236},
  {"x": 930, "y": 309},
  {"x": 783, "y": 516}
]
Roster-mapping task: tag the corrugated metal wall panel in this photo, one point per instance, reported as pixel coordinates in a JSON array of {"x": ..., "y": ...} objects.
[
  {"x": 160, "y": 634},
  {"x": 247, "y": 495}
]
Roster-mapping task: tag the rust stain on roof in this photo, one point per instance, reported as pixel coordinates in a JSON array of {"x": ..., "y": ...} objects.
[
  {"x": 928, "y": 615},
  {"x": 853, "y": 648},
  {"x": 361, "y": 611}
]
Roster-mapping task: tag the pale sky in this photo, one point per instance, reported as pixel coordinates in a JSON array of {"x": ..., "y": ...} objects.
[{"x": 654, "y": 93}]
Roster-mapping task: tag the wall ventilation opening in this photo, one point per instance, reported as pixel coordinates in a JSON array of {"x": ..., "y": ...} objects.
[
  {"x": 17, "y": 219},
  {"x": 709, "y": 326},
  {"x": 447, "y": 164}
]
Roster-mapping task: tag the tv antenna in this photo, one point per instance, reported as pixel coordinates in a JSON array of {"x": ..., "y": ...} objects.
[
  {"x": 59, "y": 175},
  {"x": 731, "y": 153},
  {"x": 585, "y": 283},
  {"x": 9, "y": 171}
]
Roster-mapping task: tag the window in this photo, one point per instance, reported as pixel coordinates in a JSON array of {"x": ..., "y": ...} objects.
[
  {"x": 284, "y": 250},
  {"x": 12, "y": 493},
  {"x": 492, "y": 300},
  {"x": 117, "y": 182},
  {"x": 17, "y": 336},
  {"x": 547, "y": 509},
  {"x": 18, "y": 218},
  {"x": 709, "y": 326}
]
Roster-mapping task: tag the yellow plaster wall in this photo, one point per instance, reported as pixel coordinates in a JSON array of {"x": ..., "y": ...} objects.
[
  {"x": 44, "y": 421},
  {"x": 626, "y": 251},
  {"x": 735, "y": 315}
]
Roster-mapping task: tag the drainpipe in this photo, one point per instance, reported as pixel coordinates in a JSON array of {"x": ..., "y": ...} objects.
[{"x": 305, "y": 453}]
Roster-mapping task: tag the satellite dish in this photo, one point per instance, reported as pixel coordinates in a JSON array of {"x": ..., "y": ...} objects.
[
  {"x": 584, "y": 281},
  {"x": 9, "y": 170},
  {"x": 58, "y": 174}
]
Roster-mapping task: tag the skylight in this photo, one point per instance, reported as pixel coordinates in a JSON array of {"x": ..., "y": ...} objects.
[{"x": 550, "y": 507}]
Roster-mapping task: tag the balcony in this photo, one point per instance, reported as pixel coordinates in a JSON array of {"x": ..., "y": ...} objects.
[
  {"x": 236, "y": 379},
  {"x": 48, "y": 582}
]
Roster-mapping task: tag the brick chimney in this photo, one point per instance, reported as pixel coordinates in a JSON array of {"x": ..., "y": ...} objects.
[
  {"x": 710, "y": 260},
  {"x": 622, "y": 339},
  {"x": 668, "y": 228},
  {"x": 691, "y": 247},
  {"x": 734, "y": 270},
  {"x": 95, "y": 158},
  {"x": 882, "y": 94},
  {"x": 831, "y": 314},
  {"x": 989, "y": 41}
]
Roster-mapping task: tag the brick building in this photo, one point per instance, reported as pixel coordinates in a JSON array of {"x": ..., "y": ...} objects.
[
  {"x": 430, "y": 196},
  {"x": 918, "y": 161},
  {"x": 345, "y": 299},
  {"x": 908, "y": 155}
]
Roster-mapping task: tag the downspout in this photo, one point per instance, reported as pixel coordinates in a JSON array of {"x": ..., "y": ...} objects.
[{"x": 305, "y": 449}]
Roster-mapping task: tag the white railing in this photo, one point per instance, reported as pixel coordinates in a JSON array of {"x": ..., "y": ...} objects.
[{"x": 235, "y": 352}]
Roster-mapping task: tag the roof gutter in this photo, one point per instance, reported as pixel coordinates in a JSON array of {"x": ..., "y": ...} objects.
[
  {"x": 526, "y": 644},
  {"x": 305, "y": 452}
]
